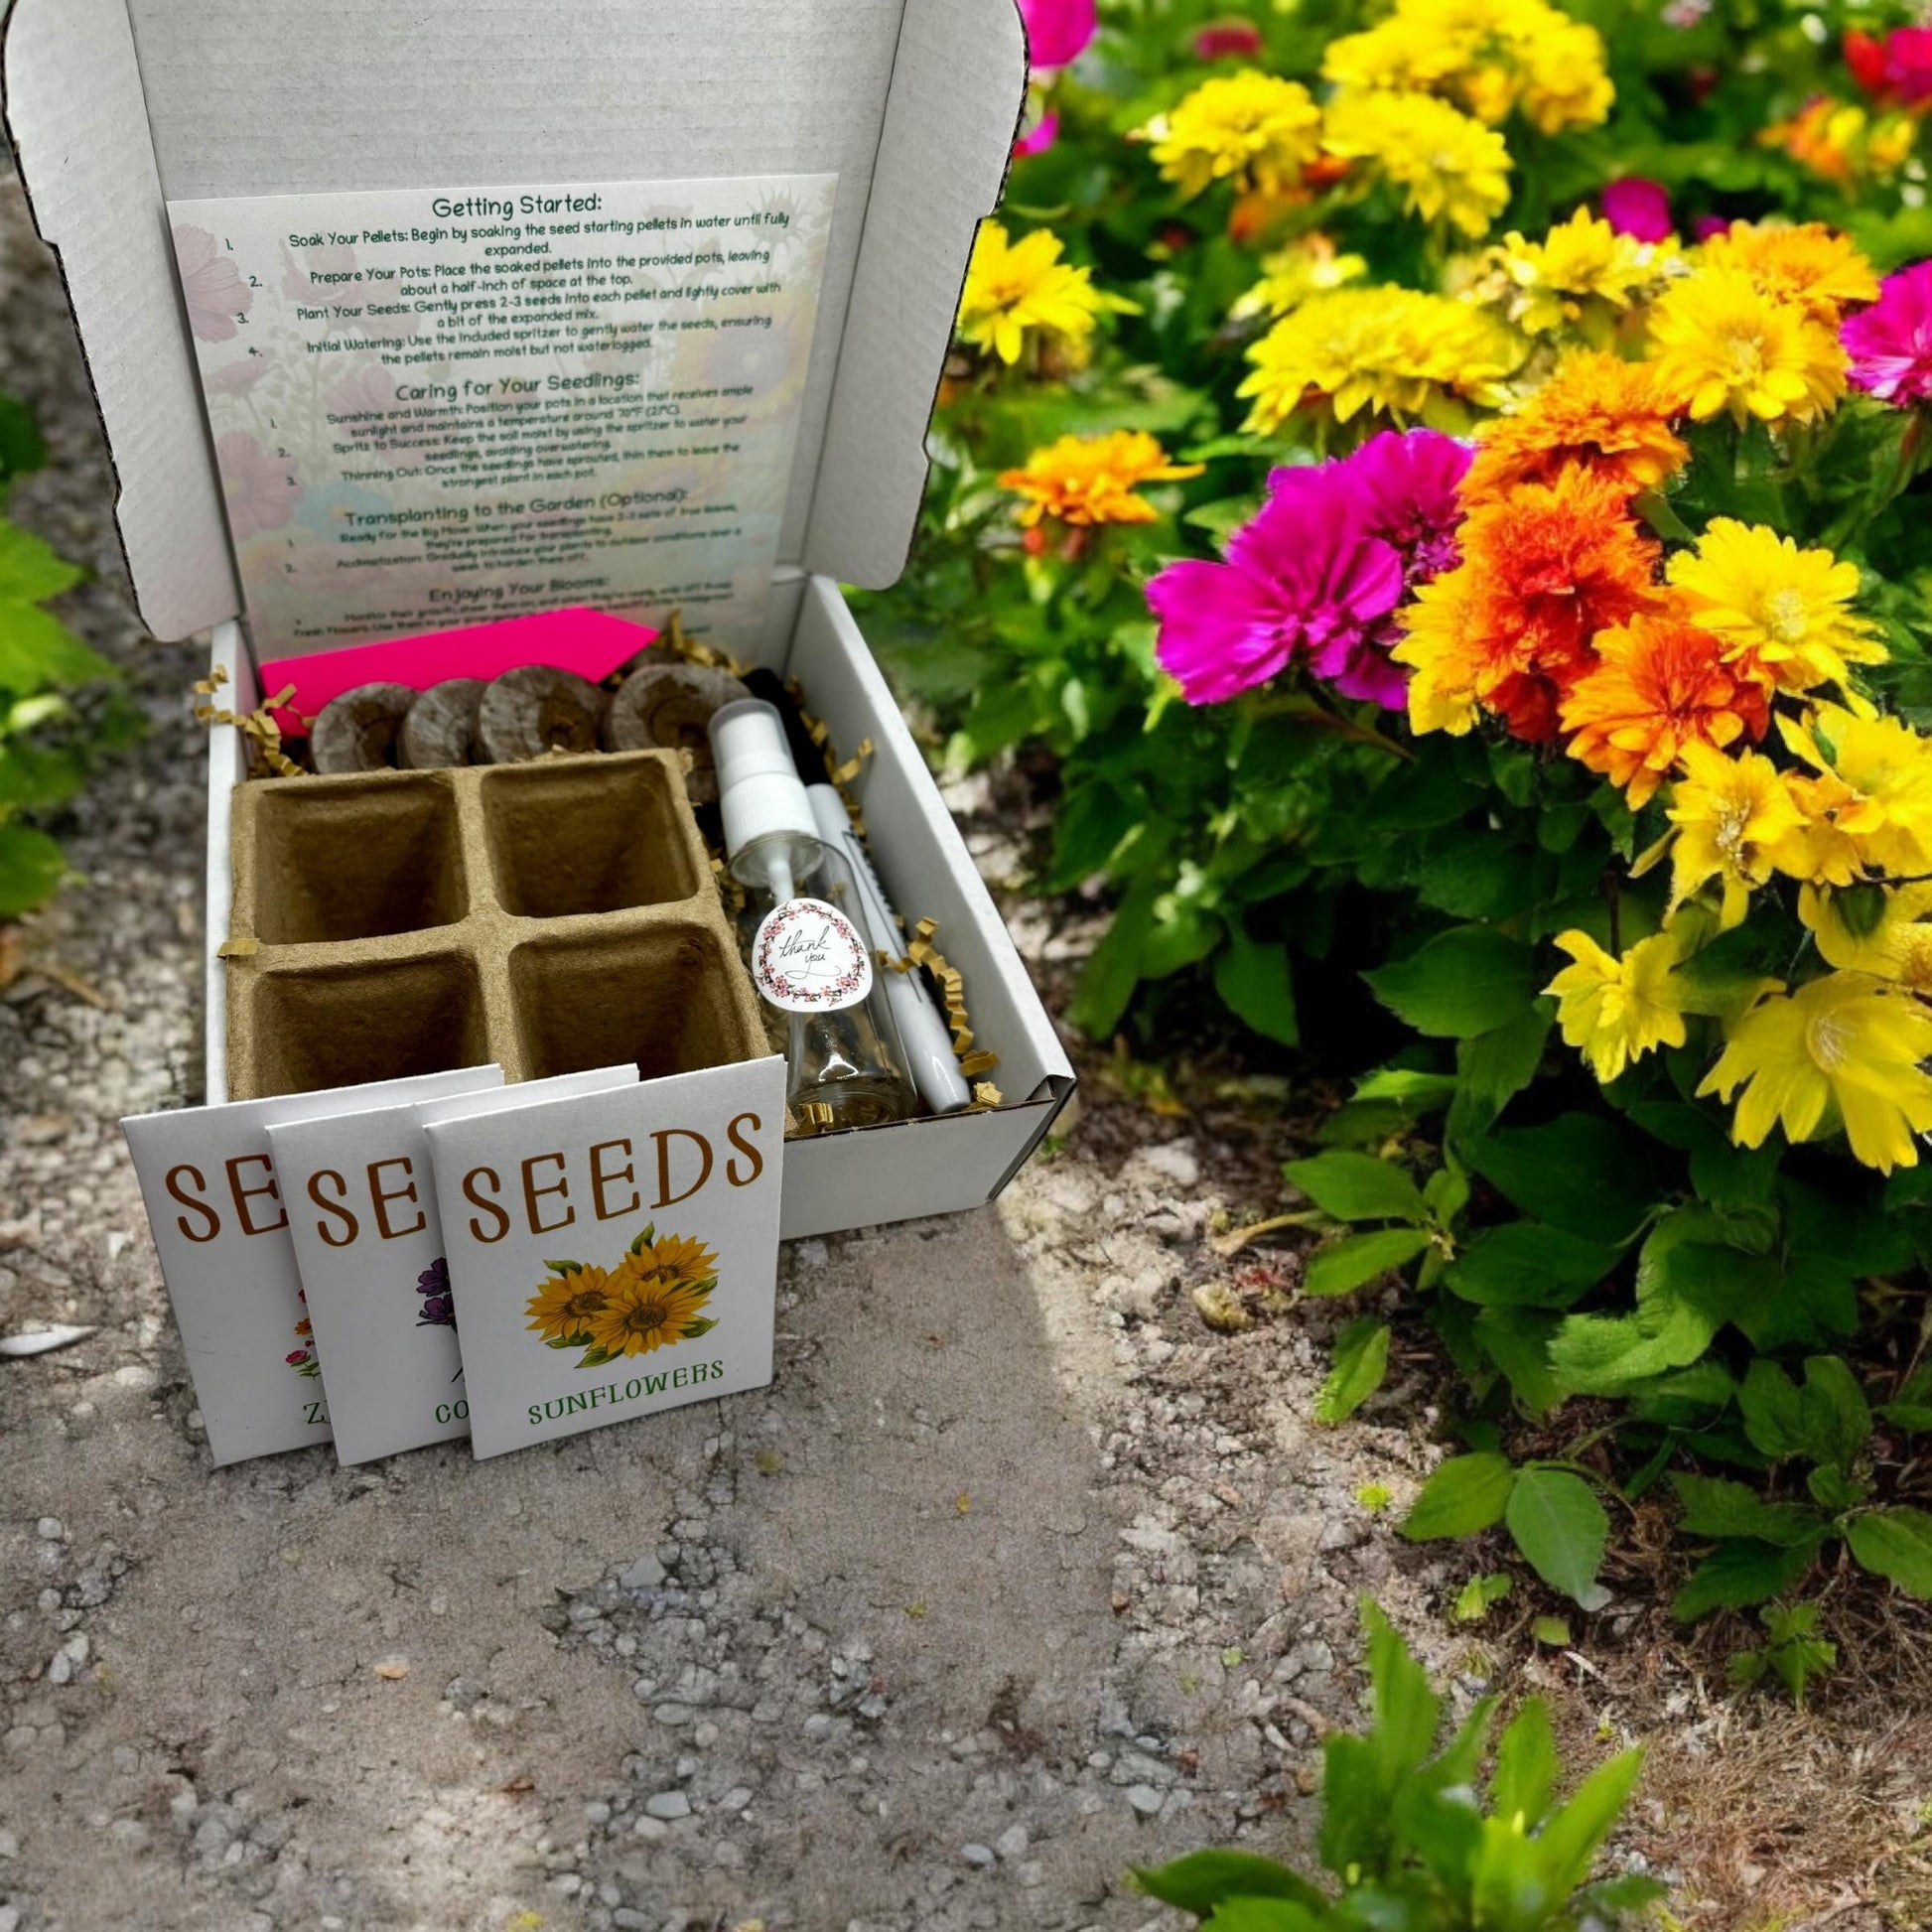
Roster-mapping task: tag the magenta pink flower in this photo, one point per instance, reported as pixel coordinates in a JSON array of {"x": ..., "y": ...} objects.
[
  {"x": 1706, "y": 225},
  {"x": 1040, "y": 137},
  {"x": 1638, "y": 208},
  {"x": 1890, "y": 342},
  {"x": 1057, "y": 30},
  {"x": 1405, "y": 486},
  {"x": 1228, "y": 40},
  {"x": 210, "y": 286},
  {"x": 261, "y": 490},
  {"x": 1300, "y": 581}
]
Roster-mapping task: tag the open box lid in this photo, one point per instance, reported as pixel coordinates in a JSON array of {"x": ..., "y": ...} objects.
[{"x": 116, "y": 106}]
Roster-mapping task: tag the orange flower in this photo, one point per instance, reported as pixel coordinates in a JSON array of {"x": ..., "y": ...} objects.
[
  {"x": 1660, "y": 684},
  {"x": 1092, "y": 479},
  {"x": 1545, "y": 568},
  {"x": 1597, "y": 412}
]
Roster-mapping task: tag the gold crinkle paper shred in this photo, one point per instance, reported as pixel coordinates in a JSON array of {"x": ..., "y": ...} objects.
[
  {"x": 259, "y": 726},
  {"x": 952, "y": 988}
]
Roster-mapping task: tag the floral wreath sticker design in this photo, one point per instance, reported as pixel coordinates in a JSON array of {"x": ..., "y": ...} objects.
[
  {"x": 652, "y": 1298},
  {"x": 808, "y": 957}
]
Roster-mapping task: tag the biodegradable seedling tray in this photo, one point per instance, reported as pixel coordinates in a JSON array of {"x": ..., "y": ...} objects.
[{"x": 550, "y": 918}]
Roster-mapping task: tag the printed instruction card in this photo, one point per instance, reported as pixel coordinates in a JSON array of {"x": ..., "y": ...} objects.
[{"x": 439, "y": 405}]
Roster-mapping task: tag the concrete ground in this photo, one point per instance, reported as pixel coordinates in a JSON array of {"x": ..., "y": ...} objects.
[{"x": 1016, "y": 1577}]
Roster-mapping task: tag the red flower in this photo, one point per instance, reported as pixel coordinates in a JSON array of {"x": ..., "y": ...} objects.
[{"x": 1228, "y": 40}]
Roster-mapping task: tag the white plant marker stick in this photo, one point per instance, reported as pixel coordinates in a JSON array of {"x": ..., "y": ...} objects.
[{"x": 921, "y": 1026}]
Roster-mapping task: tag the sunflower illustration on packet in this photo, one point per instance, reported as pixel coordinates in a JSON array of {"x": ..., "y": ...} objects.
[{"x": 654, "y": 1297}]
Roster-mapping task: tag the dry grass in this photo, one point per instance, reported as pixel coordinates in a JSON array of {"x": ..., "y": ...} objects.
[{"x": 1774, "y": 1818}]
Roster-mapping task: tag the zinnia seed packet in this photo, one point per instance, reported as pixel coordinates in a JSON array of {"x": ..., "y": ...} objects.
[
  {"x": 614, "y": 1254},
  {"x": 362, "y": 1214},
  {"x": 221, "y": 1229}
]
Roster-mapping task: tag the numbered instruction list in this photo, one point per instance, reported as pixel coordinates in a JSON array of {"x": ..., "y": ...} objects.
[{"x": 442, "y": 407}]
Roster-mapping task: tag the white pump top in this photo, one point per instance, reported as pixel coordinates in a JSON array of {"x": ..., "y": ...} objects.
[{"x": 758, "y": 787}]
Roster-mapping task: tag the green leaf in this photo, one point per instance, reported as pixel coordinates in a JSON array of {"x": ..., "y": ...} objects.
[
  {"x": 1714, "y": 1507},
  {"x": 1827, "y": 1420},
  {"x": 1465, "y": 1495},
  {"x": 704, "y": 1325},
  {"x": 32, "y": 571},
  {"x": 1361, "y": 1361},
  {"x": 595, "y": 1357},
  {"x": 1523, "y": 1264},
  {"x": 1579, "y": 1173},
  {"x": 1526, "y": 1766},
  {"x": 1740, "y": 1573},
  {"x": 1560, "y": 1528},
  {"x": 1359, "y": 1187},
  {"x": 1204, "y": 1880},
  {"x": 1113, "y": 970},
  {"x": 1408, "y": 1713},
  {"x": 1553, "y": 1631},
  {"x": 1465, "y": 982},
  {"x": 1569, "y": 1840},
  {"x": 1495, "y": 1067},
  {"x": 1256, "y": 983},
  {"x": 1357, "y": 1258},
  {"x": 31, "y": 867},
  {"x": 1896, "y": 1544},
  {"x": 1518, "y": 1342},
  {"x": 1476, "y": 1598},
  {"x": 20, "y": 445}
]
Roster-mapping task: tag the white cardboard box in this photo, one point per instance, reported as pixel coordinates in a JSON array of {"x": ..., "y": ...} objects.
[{"x": 115, "y": 106}]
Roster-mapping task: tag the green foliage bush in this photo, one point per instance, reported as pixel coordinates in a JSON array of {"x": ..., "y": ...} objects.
[
  {"x": 43, "y": 751},
  {"x": 1408, "y": 1843},
  {"x": 1615, "y": 1279}
]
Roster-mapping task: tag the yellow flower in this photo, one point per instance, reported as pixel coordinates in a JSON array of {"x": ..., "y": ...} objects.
[
  {"x": 1883, "y": 797},
  {"x": 1290, "y": 275},
  {"x": 1489, "y": 55},
  {"x": 1719, "y": 344},
  {"x": 1787, "y": 608},
  {"x": 1820, "y": 852},
  {"x": 672, "y": 1257},
  {"x": 1553, "y": 283},
  {"x": 1446, "y": 163},
  {"x": 567, "y": 1306},
  {"x": 1018, "y": 287},
  {"x": 1843, "y": 1050},
  {"x": 1885, "y": 933},
  {"x": 1093, "y": 479},
  {"x": 644, "y": 1313},
  {"x": 1616, "y": 1010},
  {"x": 1389, "y": 349},
  {"x": 1564, "y": 83},
  {"x": 1810, "y": 266},
  {"x": 1731, "y": 815},
  {"x": 1251, "y": 128}
]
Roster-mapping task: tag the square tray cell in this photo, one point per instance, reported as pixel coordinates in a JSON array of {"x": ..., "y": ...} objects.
[
  {"x": 599, "y": 834},
  {"x": 340, "y": 1026},
  {"x": 351, "y": 858},
  {"x": 663, "y": 998}
]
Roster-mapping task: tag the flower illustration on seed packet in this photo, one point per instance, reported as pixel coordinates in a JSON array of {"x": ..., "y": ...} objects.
[
  {"x": 652, "y": 1298},
  {"x": 439, "y": 1304},
  {"x": 303, "y": 1359}
]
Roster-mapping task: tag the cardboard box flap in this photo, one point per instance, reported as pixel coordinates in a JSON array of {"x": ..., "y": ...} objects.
[
  {"x": 116, "y": 105},
  {"x": 942, "y": 159},
  {"x": 71, "y": 91}
]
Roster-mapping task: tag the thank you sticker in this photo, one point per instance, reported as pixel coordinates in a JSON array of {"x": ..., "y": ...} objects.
[{"x": 808, "y": 957}]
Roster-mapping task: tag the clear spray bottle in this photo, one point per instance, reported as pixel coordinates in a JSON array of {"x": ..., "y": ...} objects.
[{"x": 803, "y": 937}]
